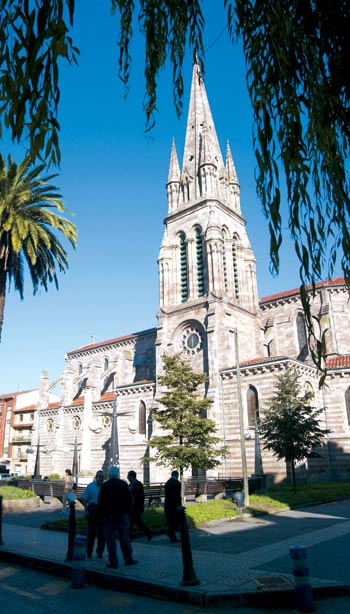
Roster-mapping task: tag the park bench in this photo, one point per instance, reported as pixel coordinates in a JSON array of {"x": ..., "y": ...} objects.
[
  {"x": 47, "y": 489},
  {"x": 211, "y": 487},
  {"x": 154, "y": 495}
]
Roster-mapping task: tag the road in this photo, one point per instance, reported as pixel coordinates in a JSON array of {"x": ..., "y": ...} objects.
[
  {"x": 320, "y": 528},
  {"x": 32, "y": 592}
]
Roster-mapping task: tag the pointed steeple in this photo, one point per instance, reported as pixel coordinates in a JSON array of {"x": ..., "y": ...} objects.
[
  {"x": 232, "y": 181},
  {"x": 174, "y": 168},
  {"x": 230, "y": 166},
  {"x": 199, "y": 116},
  {"x": 173, "y": 184}
]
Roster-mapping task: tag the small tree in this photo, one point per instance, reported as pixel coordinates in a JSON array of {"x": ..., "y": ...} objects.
[
  {"x": 189, "y": 439},
  {"x": 290, "y": 425}
]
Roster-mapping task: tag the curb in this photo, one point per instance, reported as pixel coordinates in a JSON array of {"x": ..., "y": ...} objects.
[
  {"x": 20, "y": 505},
  {"x": 190, "y": 595}
]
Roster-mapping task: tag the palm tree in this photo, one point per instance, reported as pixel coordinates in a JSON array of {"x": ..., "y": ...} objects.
[{"x": 27, "y": 228}]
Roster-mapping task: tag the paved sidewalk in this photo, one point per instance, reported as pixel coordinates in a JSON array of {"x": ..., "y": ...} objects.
[{"x": 229, "y": 559}]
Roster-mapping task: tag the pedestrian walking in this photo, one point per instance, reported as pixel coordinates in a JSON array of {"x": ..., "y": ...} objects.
[
  {"x": 115, "y": 504},
  {"x": 90, "y": 501},
  {"x": 172, "y": 502},
  {"x": 138, "y": 506},
  {"x": 68, "y": 485}
]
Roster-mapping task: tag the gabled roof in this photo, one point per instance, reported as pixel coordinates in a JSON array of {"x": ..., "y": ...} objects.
[
  {"x": 338, "y": 361},
  {"x": 338, "y": 281},
  {"x": 85, "y": 348}
]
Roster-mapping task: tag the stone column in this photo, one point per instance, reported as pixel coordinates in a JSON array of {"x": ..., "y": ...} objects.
[{"x": 85, "y": 456}]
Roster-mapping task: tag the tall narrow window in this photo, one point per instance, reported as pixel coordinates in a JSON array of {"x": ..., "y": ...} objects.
[
  {"x": 302, "y": 338},
  {"x": 183, "y": 265},
  {"x": 224, "y": 260},
  {"x": 200, "y": 262},
  {"x": 142, "y": 418},
  {"x": 80, "y": 368},
  {"x": 105, "y": 364},
  {"x": 252, "y": 406},
  {"x": 347, "y": 404},
  {"x": 235, "y": 268}
]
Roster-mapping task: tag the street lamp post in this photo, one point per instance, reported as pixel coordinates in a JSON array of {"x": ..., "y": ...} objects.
[
  {"x": 30, "y": 450},
  {"x": 37, "y": 461},
  {"x": 75, "y": 462},
  {"x": 114, "y": 447},
  {"x": 241, "y": 424},
  {"x": 258, "y": 458}
]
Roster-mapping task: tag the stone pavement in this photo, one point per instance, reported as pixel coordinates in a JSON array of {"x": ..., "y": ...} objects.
[{"x": 231, "y": 560}]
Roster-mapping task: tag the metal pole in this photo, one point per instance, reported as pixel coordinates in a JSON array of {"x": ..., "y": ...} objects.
[
  {"x": 329, "y": 450},
  {"x": 241, "y": 425},
  {"x": 75, "y": 462},
  {"x": 114, "y": 452},
  {"x": 37, "y": 461},
  {"x": 1, "y": 542},
  {"x": 258, "y": 469},
  {"x": 71, "y": 532},
  {"x": 189, "y": 577}
]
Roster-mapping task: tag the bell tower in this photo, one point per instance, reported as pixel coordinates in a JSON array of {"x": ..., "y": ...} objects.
[{"x": 207, "y": 269}]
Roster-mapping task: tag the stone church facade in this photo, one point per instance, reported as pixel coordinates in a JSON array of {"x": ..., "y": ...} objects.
[{"x": 209, "y": 311}]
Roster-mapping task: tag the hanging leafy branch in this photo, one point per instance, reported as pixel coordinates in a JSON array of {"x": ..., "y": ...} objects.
[
  {"x": 33, "y": 38},
  {"x": 298, "y": 79}
]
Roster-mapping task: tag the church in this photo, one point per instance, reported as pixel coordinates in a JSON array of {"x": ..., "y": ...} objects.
[{"x": 210, "y": 311}]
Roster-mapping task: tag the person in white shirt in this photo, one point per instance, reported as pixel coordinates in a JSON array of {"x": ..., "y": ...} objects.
[{"x": 90, "y": 500}]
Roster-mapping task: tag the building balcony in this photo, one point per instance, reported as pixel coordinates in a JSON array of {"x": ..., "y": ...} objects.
[
  {"x": 15, "y": 439},
  {"x": 21, "y": 458}
]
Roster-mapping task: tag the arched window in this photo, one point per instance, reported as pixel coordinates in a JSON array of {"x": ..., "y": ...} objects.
[
  {"x": 80, "y": 368},
  {"x": 308, "y": 389},
  {"x": 347, "y": 404},
  {"x": 224, "y": 259},
  {"x": 105, "y": 364},
  {"x": 142, "y": 418},
  {"x": 302, "y": 338},
  {"x": 252, "y": 406},
  {"x": 184, "y": 268},
  {"x": 235, "y": 268},
  {"x": 200, "y": 262}
]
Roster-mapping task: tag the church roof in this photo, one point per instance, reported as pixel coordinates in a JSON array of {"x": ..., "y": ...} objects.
[
  {"x": 337, "y": 281},
  {"x": 338, "y": 361},
  {"x": 110, "y": 341}
]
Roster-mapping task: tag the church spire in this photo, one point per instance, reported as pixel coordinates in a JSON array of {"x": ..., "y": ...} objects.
[
  {"x": 232, "y": 181},
  {"x": 173, "y": 184},
  {"x": 199, "y": 120}
]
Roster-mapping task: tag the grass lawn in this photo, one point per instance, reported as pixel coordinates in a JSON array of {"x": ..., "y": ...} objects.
[
  {"x": 12, "y": 492},
  {"x": 278, "y": 498}
]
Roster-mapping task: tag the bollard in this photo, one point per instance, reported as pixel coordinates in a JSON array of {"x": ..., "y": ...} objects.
[
  {"x": 78, "y": 563},
  {"x": 1, "y": 542},
  {"x": 189, "y": 575},
  {"x": 238, "y": 499},
  {"x": 71, "y": 532},
  {"x": 303, "y": 588}
]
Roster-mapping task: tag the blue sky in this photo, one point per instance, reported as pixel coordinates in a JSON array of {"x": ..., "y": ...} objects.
[{"x": 113, "y": 177}]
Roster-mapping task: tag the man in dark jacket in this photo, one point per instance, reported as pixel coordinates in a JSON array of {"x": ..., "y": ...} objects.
[
  {"x": 171, "y": 503},
  {"x": 115, "y": 503},
  {"x": 138, "y": 495}
]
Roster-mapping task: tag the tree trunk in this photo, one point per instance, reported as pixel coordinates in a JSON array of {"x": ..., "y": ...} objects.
[
  {"x": 3, "y": 277},
  {"x": 294, "y": 482},
  {"x": 182, "y": 480}
]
